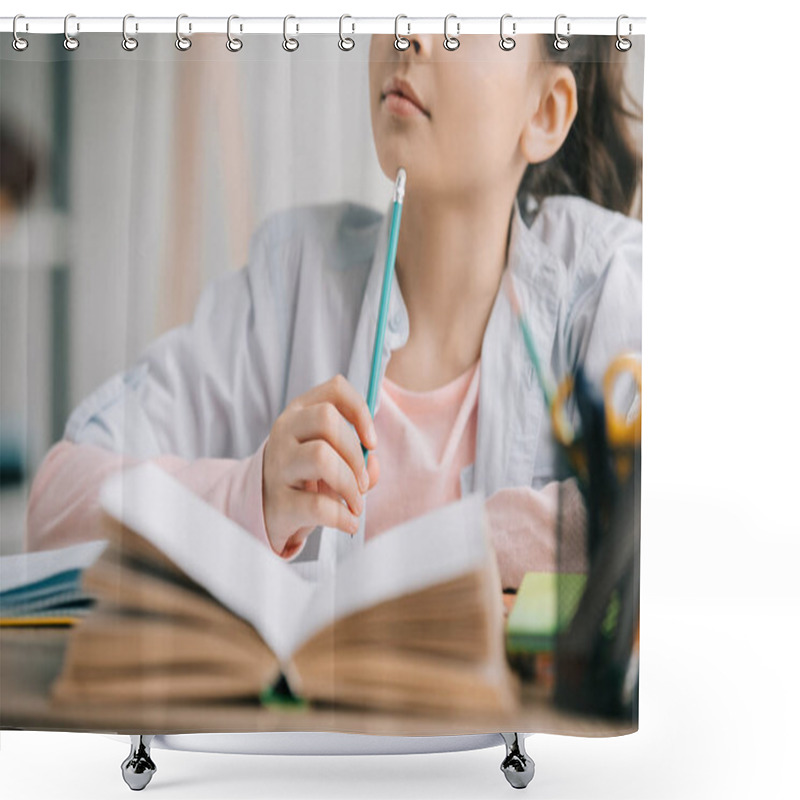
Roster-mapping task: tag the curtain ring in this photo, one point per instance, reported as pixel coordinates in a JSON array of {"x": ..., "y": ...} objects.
[
  {"x": 451, "y": 42},
  {"x": 18, "y": 43},
  {"x": 129, "y": 43},
  {"x": 400, "y": 42},
  {"x": 70, "y": 42},
  {"x": 560, "y": 42},
  {"x": 182, "y": 42},
  {"x": 506, "y": 42},
  {"x": 622, "y": 43},
  {"x": 345, "y": 42},
  {"x": 289, "y": 44},
  {"x": 233, "y": 44}
]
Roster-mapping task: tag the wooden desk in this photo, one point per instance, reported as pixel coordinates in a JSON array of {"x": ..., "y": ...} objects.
[{"x": 30, "y": 659}]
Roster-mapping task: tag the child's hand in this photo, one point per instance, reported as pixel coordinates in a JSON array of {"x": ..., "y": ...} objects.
[{"x": 313, "y": 461}]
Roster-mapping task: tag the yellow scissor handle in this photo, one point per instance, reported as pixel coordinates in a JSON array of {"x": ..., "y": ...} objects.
[
  {"x": 563, "y": 430},
  {"x": 561, "y": 425},
  {"x": 622, "y": 431}
]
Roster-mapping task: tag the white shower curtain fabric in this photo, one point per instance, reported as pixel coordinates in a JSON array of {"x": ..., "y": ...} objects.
[{"x": 217, "y": 258}]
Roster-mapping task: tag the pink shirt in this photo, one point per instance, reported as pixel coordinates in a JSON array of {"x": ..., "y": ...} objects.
[
  {"x": 424, "y": 441},
  {"x": 63, "y": 506}
]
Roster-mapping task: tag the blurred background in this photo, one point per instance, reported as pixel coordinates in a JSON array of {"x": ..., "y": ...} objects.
[{"x": 126, "y": 188}]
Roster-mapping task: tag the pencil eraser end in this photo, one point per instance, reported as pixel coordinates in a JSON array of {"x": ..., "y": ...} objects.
[{"x": 400, "y": 185}]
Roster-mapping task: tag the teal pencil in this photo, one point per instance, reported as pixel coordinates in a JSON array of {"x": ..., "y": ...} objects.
[
  {"x": 529, "y": 344},
  {"x": 547, "y": 392},
  {"x": 388, "y": 275}
]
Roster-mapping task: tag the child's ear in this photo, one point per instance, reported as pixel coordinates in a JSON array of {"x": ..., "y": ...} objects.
[{"x": 550, "y": 122}]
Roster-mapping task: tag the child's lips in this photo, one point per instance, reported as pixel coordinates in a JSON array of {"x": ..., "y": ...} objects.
[{"x": 402, "y": 106}]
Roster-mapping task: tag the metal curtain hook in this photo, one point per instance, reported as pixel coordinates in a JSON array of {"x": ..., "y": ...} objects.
[
  {"x": 451, "y": 42},
  {"x": 182, "y": 42},
  {"x": 18, "y": 43},
  {"x": 70, "y": 42},
  {"x": 506, "y": 42},
  {"x": 289, "y": 43},
  {"x": 233, "y": 44},
  {"x": 345, "y": 42},
  {"x": 560, "y": 42},
  {"x": 400, "y": 42},
  {"x": 622, "y": 43},
  {"x": 129, "y": 43}
]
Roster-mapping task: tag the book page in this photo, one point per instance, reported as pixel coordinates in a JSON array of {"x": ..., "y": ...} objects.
[
  {"x": 433, "y": 548},
  {"x": 22, "y": 569},
  {"x": 238, "y": 570}
]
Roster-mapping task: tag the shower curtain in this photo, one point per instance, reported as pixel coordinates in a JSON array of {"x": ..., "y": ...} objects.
[{"x": 321, "y": 392}]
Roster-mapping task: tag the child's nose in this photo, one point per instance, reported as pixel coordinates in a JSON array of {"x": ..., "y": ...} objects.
[{"x": 420, "y": 44}]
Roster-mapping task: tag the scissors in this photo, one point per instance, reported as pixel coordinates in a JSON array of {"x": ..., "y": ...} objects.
[
  {"x": 623, "y": 432},
  {"x": 596, "y": 666},
  {"x": 604, "y": 430}
]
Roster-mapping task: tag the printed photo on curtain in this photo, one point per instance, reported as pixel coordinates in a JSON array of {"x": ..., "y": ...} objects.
[{"x": 321, "y": 384}]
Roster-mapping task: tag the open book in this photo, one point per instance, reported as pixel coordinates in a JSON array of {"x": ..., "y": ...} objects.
[{"x": 192, "y": 607}]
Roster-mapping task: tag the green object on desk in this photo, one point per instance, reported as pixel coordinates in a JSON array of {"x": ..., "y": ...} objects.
[
  {"x": 545, "y": 605},
  {"x": 279, "y": 694}
]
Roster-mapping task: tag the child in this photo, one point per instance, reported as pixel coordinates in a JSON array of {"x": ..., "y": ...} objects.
[{"x": 258, "y": 404}]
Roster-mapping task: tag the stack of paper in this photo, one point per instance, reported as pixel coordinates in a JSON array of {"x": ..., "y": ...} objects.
[{"x": 43, "y": 588}]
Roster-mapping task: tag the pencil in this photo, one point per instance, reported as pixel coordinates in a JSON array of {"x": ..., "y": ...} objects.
[
  {"x": 529, "y": 345},
  {"x": 388, "y": 275}
]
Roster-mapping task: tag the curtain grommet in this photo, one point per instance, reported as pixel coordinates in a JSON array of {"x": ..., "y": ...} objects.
[
  {"x": 290, "y": 44},
  {"x": 400, "y": 42},
  {"x": 560, "y": 43},
  {"x": 345, "y": 42},
  {"x": 233, "y": 44},
  {"x": 129, "y": 43},
  {"x": 183, "y": 43},
  {"x": 70, "y": 42},
  {"x": 622, "y": 44},
  {"x": 507, "y": 42},
  {"x": 18, "y": 43},
  {"x": 451, "y": 43}
]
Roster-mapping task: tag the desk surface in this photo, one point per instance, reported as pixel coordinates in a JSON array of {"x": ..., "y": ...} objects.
[{"x": 30, "y": 660}]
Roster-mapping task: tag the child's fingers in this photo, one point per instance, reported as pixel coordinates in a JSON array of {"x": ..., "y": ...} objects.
[
  {"x": 319, "y": 508},
  {"x": 374, "y": 469},
  {"x": 353, "y": 407},
  {"x": 325, "y": 489},
  {"x": 317, "y": 460},
  {"x": 324, "y": 421}
]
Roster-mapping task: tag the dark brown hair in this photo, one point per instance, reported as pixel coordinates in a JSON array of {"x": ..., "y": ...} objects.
[
  {"x": 599, "y": 159},
  {"x": 17, "y": 166}
]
